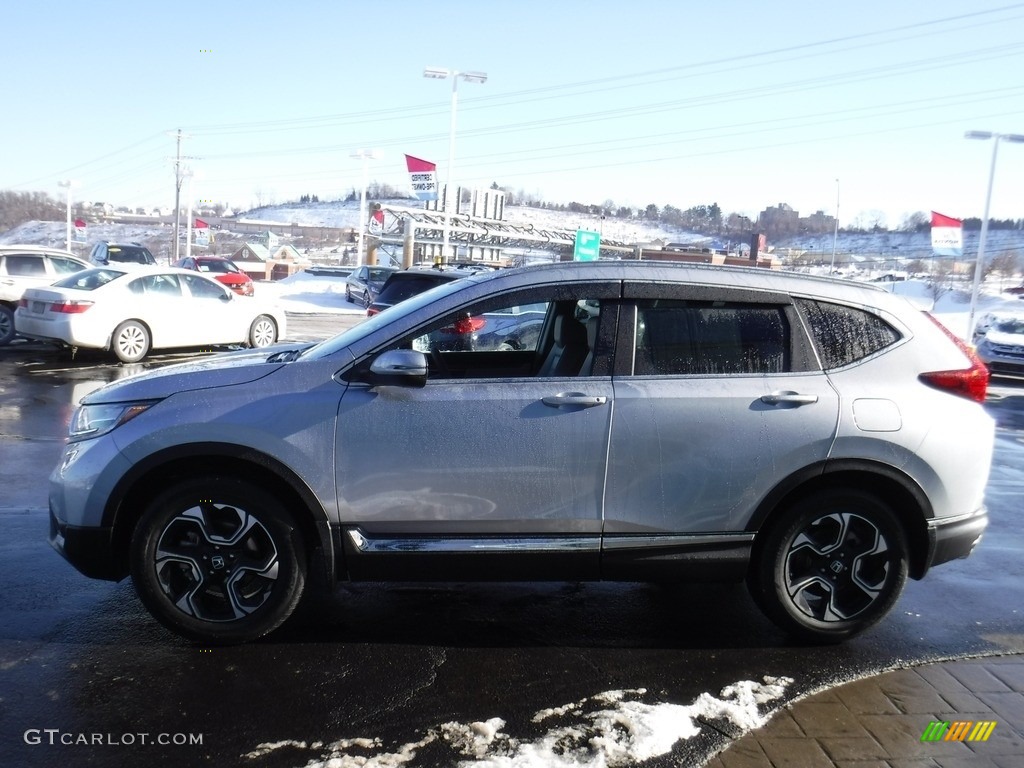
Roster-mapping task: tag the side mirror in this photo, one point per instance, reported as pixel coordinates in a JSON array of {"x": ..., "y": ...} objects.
[{"x": 399, "y": 367}]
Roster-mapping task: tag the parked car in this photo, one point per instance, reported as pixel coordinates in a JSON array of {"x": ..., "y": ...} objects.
[
  {"x": 28, "y": 266},
  {"x": 767, "y": 426},
  {"x": 406, "y": 283},
  {"x": 365, "y": 282},
  {"x": 222, "y": 270},
  {"x": 131, "y": 312},
  {"x": 126, "y": 255},
  {"x": 999, "y": 342}
]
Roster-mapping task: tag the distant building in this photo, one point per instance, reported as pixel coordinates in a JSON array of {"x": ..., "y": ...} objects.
[{"x": 782, "y": 220}]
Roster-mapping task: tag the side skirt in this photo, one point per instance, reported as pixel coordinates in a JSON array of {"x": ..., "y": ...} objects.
[{"x": 715, "y": 557}]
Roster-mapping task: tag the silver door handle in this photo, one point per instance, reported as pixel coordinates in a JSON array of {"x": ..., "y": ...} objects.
[
  {"x": 574, "y": 398},
  {"x": 788, "y": 397}
]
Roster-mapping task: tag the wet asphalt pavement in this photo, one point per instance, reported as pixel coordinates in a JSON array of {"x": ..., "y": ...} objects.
[{"x": 81, "y": 662}]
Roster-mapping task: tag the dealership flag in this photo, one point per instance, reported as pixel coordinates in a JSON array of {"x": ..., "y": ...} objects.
[
  {"x": 79, "y": 230},
  {"x": 202, "y": 234},
  {"x": 423, "y": 177},
  {"x": 947, "y": 236}
]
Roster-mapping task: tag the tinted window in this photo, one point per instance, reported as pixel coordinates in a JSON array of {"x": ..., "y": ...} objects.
[
  {"x": 25, "y": 265},
  {"x": 844, "y": 335},
  {"x": 399, "y": 288},
  {"x": 710, "y": 338}
]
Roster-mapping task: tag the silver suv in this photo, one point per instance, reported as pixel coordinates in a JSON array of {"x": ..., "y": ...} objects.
[
  {"x": 29, "y": 266},
  {"x": 822, "y": 440}
]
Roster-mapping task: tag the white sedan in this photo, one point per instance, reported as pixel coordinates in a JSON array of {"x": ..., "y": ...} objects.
[{"x": 131, "y": 312}]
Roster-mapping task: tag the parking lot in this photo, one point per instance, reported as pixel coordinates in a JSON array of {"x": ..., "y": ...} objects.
[{"x": 423, "y": 674}]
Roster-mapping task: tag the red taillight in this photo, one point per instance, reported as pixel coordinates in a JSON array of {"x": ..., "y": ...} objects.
[
  {"x": 468, "y": 325},
  {"x": 70, "y": 307},
  {"x": 372, "y": 311},
  {"x": 23, "y": 303},
  {"x": 970, "y": 382}
]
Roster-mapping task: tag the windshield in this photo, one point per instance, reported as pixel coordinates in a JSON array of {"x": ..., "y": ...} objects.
[
  {"x": 130, "y": 254},
  {"x": 216, "y": 265},
  {"x": 372, "y": 324},
  {"x": 379, "y": 274},
  {"x": 1009, "y": 325},
  {"x": 89, "y": 279}
]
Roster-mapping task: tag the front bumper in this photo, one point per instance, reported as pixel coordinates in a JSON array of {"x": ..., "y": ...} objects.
[
  {"x": 955, "y": 538},
  {"x": 89, "y": 550}
]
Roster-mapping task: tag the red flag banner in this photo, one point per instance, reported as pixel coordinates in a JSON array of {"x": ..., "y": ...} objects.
[
  {"x": 947, "y": 235},
  {"x": 200, "y": 224},
  {"x": 422, "y": 177}
]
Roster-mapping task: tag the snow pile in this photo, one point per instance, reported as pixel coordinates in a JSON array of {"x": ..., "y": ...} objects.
[
  {"x": 305, "y": 293},
  {"x": 610, "y": 729}
]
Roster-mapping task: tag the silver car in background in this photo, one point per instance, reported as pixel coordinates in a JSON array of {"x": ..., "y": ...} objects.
[{"x": 820, "y": 439}]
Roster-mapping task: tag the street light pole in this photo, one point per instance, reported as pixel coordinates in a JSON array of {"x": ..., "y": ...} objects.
[
  {"x": 67, "y": 183},
  {"x": 835, "y": 236},
  {"x": 976, "y": 288},
  {"x": 365, "y": 155},
  {"x": 472, "y": 77}
]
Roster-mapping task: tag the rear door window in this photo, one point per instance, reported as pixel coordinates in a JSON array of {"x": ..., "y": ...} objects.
[
  {"x": 25, "y": 265},
  {"x": 680, "y": 337}
]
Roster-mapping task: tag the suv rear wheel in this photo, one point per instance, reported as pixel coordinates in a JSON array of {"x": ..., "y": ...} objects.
[
  {"x": 218, "y": 561},
  {"x": 831, "y": 566}
]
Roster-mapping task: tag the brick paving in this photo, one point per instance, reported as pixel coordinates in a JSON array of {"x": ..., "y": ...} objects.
[{"x": 878, "y": 722}]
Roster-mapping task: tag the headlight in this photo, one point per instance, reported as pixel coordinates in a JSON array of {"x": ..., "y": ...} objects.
[{"x": 94, "y": 420}]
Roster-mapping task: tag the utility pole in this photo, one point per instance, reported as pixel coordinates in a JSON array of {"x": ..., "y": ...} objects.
[
  {"x": 177, "y": 194},
  {"x": 178, "y": 157}
]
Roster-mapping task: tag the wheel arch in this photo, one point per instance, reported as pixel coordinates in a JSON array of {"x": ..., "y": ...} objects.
[
  {"x": 899, "y": 491},
  {"x": 160, "y": 470}
]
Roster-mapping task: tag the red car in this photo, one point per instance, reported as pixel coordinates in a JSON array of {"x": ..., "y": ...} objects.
[{"x": 222, "y": 270}]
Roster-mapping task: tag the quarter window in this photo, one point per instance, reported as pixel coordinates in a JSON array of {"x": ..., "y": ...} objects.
[
  {"x": 844, "y": 335},
  {"x": 710, "y": 338}
]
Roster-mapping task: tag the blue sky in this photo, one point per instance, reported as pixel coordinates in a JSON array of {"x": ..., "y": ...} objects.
[{"x": 741, "y": 103}]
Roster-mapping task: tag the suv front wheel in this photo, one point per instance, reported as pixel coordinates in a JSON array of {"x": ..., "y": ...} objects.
[
  {"x": 831, "y": 566},
  {"x": 218, "y": 561}
]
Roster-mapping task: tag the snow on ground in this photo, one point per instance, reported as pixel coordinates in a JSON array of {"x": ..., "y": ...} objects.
[
  {"x": 307, "y": 294},
  {"x": 613, "y": 728},
  {"x": 953, "y": 307}
]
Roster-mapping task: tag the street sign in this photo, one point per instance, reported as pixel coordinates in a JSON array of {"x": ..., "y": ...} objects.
[{"x": 588, "y": 245}]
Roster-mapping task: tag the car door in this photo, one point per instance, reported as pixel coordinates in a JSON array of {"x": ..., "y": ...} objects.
[
  {"x": 213, "y": 315},
  {"x": 502, "y": 451},
  {"x": 157, "y": 299},
  {"x": 718, "y": 398}
]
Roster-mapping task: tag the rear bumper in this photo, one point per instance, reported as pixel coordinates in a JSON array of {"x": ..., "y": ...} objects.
[{"x": 955, "y": 538}]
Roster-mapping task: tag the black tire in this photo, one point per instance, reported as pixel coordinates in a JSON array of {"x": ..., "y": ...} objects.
[
  {"x": 7, "y": 333},
  {"x": 830, "y": 566},
  {"x": 262, "y": 332},
  {"x": 348, "y": 294},
  {"x": 130, "y": 341},
  {"x": 218, "y": 561},
  {"x": 367, "y": 300}
]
